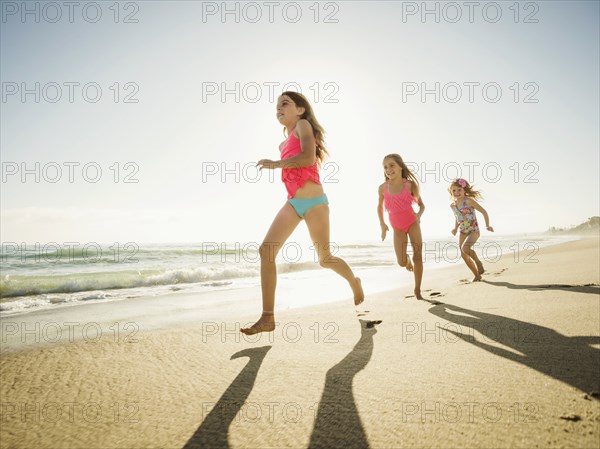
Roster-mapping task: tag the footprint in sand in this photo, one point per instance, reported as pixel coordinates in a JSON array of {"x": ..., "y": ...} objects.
[
  {"x": 361, "y": 314},
  {"x": 433, "y": 302},
  {"x": 571, "y": 417},
  {"x": 373, "y": 323},
  {"x": 464, "y": 281},
  {"x": 434, "y": 296},
  {"x": 430, "y": 301}
]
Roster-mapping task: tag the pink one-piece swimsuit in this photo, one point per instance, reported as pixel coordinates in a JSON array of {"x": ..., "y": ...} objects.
[
  {"x": 399, "y": 208},
  {"x": 294, "y": 178}
]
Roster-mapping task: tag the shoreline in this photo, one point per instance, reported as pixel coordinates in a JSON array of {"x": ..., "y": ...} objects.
[
  {"x": 67, "y": 291},
  {"x": 434, "y": 259},
  {"x": 70, "y": 323}
]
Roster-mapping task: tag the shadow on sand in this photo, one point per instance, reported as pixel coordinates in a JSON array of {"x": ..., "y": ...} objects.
[
  {"x": 338, "y": 424},
  {"x": 587, "y": 288},
  {"x": 213, "y": 431},
  {"x": 569, "y": 359}
]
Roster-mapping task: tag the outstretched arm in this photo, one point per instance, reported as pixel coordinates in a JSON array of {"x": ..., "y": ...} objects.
[
  {"x": 305, "y": 158},
  {"x": 475, "y": 205},
  {"x": 384, "y": 227}
]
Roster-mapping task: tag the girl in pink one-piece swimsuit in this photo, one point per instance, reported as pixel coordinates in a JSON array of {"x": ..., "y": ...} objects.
[{"x": 398, "y": 194}]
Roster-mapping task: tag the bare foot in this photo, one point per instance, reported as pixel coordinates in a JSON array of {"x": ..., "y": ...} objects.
[
  {"x": 476, "y": 278},
  {"x": 409, "y": 265},
  {"x": 266, "y": 323},
  {"x": 480, "y": 268},
  {"x": 418, "y": 294},
  {"x": 359, "y": 295}
]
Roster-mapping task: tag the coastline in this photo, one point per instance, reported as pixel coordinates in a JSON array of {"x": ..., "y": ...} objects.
[
  {"x": 89, "y": 321},
  {"x": 31, "y": 283}
]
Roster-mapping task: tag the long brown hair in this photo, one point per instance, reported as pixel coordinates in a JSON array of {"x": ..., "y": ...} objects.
[
  {"x": 309, "y": 115},
  {"x": 406, "y": 173},
  {"x": 470, "y": 192}
]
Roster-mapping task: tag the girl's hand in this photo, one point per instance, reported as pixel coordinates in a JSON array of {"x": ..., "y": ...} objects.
[
  {"x": 453, "y": 231},
  {"x": 489, "y": 228},
  {"x": 384, "y": 230},
  {"x": 266, "y": 163}
]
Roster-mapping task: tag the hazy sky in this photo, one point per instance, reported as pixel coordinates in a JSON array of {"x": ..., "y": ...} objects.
[{"x": 181, "y": 98}]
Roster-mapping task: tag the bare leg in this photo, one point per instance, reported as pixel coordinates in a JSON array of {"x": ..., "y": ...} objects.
[
  {"x": 317, "y": 220},
  {"x": 467, "y": 252},
  {"x": 282, "y": 227},
  {"x": 477, "y": 261},
  {"x": 400, "y": 245},
  {"x": 416, "y": 241}
]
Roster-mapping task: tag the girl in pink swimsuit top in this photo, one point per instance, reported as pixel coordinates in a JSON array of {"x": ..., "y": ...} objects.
[
  {"x": 300, "y": 157},
  {"x": 404, "y": 221},
  {"x": 294, "y": 178}
]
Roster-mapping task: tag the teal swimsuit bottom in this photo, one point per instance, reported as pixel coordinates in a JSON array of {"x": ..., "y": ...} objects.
[{"x": 303, "y": 205}]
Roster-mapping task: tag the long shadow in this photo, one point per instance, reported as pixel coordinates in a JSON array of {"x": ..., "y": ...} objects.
[
  {"x": 213, "y": 431},
  {"x": 569, "y": 359},
  {"x": 588, "y": 288},
  {"x": 338, "y": 424}
]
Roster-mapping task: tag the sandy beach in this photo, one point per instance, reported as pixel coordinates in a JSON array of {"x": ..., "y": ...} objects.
[{"x": 510, "y": 362}]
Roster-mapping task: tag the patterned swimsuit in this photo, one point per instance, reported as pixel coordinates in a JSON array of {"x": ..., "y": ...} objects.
[{"x": 465, "y": 216}]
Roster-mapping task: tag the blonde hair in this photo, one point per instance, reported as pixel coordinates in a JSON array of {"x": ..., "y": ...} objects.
[
  {"x": 309, "y": 115},
  {"x": 406, "y": 173},
  {"x": 470, "y": 192}
]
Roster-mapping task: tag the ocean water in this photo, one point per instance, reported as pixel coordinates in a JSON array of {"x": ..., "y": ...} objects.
[{"x": 37, "y": 277}]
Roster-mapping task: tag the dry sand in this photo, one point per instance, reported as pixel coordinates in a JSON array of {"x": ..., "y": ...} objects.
[{"x": 508, "y": 362}]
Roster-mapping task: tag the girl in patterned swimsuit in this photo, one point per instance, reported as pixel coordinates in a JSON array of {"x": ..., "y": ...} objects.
[
  {"x": 398, "y": 194},
  {"x": 464, "y": 207}
]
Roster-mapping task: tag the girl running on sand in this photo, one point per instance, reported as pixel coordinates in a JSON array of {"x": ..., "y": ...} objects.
[
  {"x": 464, "y": 207},
  {"x": 398, "y": 194},
  {"x": 301, "y": 154}
]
